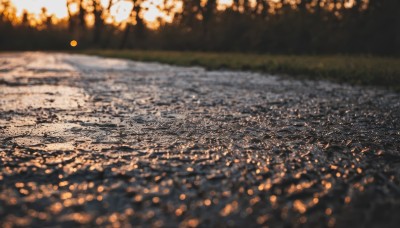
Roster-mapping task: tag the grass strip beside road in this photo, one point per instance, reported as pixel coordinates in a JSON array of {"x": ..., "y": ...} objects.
[{"x": 355, "y": 70}]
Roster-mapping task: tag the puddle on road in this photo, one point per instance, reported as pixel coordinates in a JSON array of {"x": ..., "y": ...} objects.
[
  {"x": 95, "y": 63},
  {"x": 25, "y": 98}
]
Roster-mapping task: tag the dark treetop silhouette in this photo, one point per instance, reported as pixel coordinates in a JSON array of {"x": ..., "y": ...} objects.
[{"x": 307, "y": 26}]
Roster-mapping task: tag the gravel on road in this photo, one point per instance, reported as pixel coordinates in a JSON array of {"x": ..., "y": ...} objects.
[{"x": 88, "y": 141}]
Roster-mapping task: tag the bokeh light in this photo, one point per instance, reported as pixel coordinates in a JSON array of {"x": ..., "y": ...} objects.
[{"x": 73, "y": 43}]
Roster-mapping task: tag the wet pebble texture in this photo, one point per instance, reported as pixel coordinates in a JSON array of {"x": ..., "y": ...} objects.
[{"x": 90, "y": 141}]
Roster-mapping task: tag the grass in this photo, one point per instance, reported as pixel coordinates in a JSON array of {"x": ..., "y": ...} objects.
[{"x": 355, "y": 70}]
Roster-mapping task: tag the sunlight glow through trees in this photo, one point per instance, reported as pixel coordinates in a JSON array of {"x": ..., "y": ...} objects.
[
  {"x": 155, "y": 10},
  {"x": 289, "y": 26}
]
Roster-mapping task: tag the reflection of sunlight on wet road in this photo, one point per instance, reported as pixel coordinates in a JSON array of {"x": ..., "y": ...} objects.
[{"x": 40, "y": 96}]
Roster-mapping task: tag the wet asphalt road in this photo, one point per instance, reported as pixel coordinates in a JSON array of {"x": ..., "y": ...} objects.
[{"x": 89, "y": 141}]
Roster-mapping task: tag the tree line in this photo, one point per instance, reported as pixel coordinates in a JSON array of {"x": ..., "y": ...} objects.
[{"x": 260, "y": 26}]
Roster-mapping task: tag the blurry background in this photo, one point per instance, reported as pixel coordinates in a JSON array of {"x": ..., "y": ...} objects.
[{"x": 259, "y": 26}]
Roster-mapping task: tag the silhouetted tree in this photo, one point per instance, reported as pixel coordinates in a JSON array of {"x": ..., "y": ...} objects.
[
  {"x": 98, "y": 20},
  {"x": 135, "y": 22}
]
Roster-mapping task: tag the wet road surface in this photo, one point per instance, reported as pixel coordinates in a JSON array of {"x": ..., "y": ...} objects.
[{"x": 90, "y": 141}]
